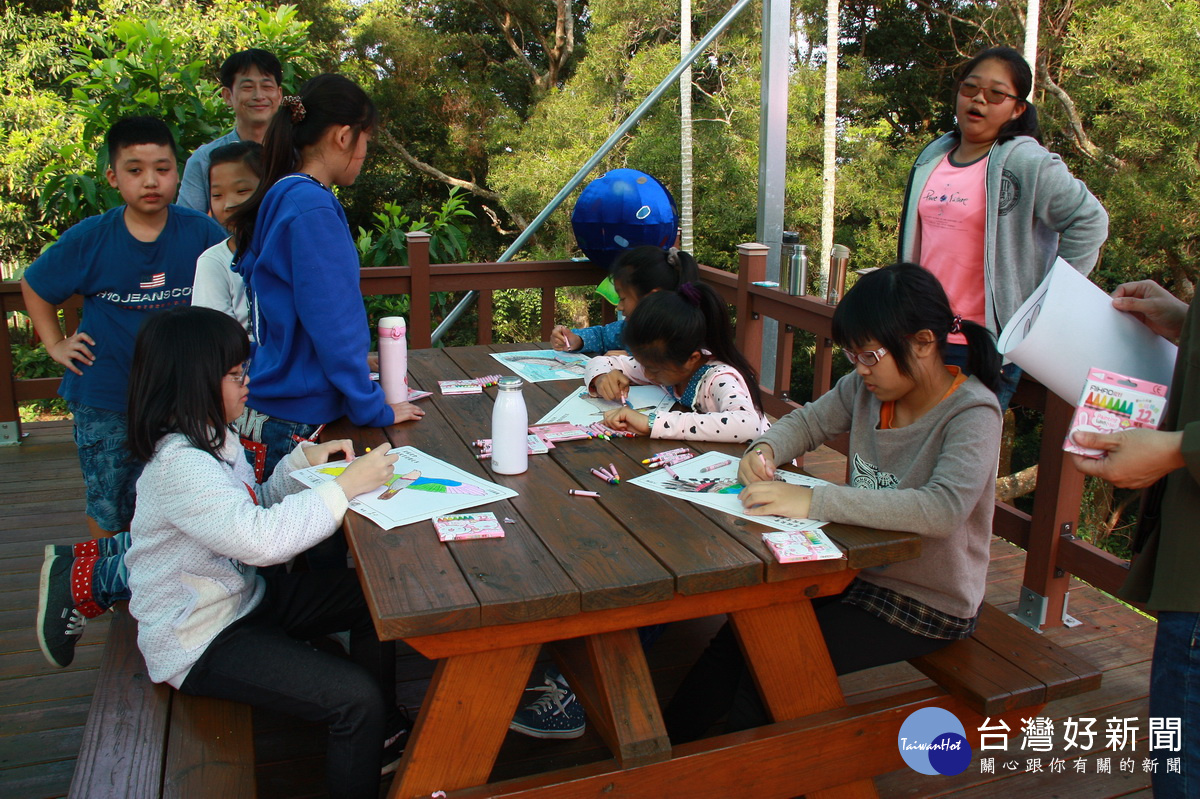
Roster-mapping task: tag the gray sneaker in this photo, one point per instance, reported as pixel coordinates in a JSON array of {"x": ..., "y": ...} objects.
[
  {"x": 59, "y": 621},
  {"x": 554, "y": 714}
]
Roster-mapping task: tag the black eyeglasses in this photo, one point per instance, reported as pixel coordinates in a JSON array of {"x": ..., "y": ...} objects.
[{"x": 993, "y": 96}]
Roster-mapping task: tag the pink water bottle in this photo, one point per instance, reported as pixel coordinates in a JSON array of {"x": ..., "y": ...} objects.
[{"x": 393, "y": 359}]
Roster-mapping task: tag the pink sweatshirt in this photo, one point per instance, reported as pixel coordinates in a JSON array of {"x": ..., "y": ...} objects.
[{"x": 717, "y": 396}]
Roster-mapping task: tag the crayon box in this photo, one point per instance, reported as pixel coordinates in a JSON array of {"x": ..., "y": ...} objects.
[{"x": 1111, "y": 403}]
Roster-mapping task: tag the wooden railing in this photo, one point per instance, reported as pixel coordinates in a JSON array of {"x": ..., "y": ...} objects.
[{"x": 1053, "y": 550}]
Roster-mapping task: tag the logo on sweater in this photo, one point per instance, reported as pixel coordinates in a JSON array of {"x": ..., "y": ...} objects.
[
  {"x": 866, "y": 475},
  {"x": 1010, "y": 192},
  {"x": 933, "y": 741}
]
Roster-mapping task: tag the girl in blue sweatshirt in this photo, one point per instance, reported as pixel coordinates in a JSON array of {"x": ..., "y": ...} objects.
[{"x": 301, "y": 268}]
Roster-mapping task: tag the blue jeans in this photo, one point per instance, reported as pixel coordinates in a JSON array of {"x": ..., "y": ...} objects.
[
  {"x": 110, "y": 580},
  {"x": 1010, "y": 373},
  {"x": 275, "y": 438},
  {"x": 109, "y": 471},
  {"x": 1175, "y": 693}
]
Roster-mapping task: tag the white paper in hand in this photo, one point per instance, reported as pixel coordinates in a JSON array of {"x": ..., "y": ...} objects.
[{"x": 1068, "y": 326}]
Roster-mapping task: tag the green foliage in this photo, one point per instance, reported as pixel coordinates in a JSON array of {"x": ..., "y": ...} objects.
[{"x": 69, "y": 76}]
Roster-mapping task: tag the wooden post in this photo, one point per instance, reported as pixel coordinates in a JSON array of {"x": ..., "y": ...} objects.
[
  {"x": 783, "y": 361},
  {"x": 752, "y": 266},
  {"x": 1055, "y": 511},
  {"x": 10, "y": 431},
  {"x": 485, "y": 309},
  {"x": 420, "y": 322},
  {"x": 548, "y": 304}
]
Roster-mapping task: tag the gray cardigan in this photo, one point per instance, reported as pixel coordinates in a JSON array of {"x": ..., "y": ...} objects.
[
  {"x": 935, "y": 477},
  {"x": 1036, "y": 211}
]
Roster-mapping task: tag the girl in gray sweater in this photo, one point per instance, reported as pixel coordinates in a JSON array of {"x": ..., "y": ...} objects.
[{"x": 924, "y": 441}]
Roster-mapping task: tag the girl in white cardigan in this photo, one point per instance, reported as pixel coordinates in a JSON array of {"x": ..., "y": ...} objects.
[{"x": 208, "y": 622}]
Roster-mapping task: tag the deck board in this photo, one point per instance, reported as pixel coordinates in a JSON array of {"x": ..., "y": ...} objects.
[{"x": 42, "y": 709}]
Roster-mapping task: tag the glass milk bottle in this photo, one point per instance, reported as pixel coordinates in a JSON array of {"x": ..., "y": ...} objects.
[
  {"x": 393, "y": 359},
  {"x": 510, "y": 429}
]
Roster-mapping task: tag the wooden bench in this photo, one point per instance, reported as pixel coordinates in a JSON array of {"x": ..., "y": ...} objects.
[
  {"x": 144, "y": 740},
  {"x": 1004, "y": 666}
]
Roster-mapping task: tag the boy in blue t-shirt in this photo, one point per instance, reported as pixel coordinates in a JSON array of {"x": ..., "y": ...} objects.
[{"x": 127, "y": 264}]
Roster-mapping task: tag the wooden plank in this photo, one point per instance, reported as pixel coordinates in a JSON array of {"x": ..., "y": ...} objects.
[
  {"x": 985, "y": 681},
  {"x": 470, "y": 702},
  {"x": 515, "y": 578},
  {"x": 604, "y": 562},
  {"x": 601, "y": 621},
  {"x": 610, "y": 676},
  {"x": 1062, "y": 672},
  {"x": 122, "y": 754},
  {"x": 707, "y": 559},
  {"x": 780, "y": 760},
  {"x": 210, "y": 751}
]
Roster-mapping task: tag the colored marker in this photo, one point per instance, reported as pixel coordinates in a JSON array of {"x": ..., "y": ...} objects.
[
  {"x": 603, "y": 475},
  {"x": 671, "y": 471},
  {"x": 664, "y": 455},
  {"x": 766, "y": 468},
  {"x": 716, "y": 465},
  {"x": 575, "y": 492},
  {"x": 612, "y": 468},
  {"x": 368, "y": 450}
]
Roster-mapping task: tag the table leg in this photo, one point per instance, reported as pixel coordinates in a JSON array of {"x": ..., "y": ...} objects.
[
  {"x": 790, "y": 663},
  {"x": 463, "y": 720},
  {"x": 610, "y": 676}
]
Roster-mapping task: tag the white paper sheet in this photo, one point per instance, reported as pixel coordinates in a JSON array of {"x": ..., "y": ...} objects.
[
  {"x": 1068, "y": 326},
  {"x": 719, "y": 488},
  {"x": 422, "y": 487},
  {"x": 537, "y": 366},
  {"x": 581, "y": 409}
]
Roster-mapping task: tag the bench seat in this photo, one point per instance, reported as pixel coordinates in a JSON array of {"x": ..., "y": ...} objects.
[
  {"x": 1005, "y": 666},
  {"x": 144, "y": 740}
]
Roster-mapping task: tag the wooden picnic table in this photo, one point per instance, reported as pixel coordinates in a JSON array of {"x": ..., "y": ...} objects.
[{"x": 582, "y": 575}]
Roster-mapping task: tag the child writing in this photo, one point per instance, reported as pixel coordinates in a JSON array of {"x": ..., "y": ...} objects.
[
  {"x": 637, "y": 272},
  {"x": 128, "y": 263},
  {"x": 924, "y": 440},
  {"x": 683, "y": 341},
  {"x": 234, "y": 173},
  {"x": 208, "y": 623},
  {"x": 300, "y": 266}
]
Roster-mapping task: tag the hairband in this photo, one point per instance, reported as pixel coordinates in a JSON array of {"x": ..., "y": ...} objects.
[
  {"x": 690, "y": 293},
  {"x": 673, "y": 257},
  {"x": 296, "y": 105},
  {"x": 956, "y": 324}
]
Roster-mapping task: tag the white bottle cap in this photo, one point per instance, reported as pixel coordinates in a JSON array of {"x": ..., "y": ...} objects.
[{"x": 388, "y": 322}]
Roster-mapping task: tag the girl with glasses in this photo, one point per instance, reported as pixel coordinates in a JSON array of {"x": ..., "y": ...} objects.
[
  {"x": 988, "y": 208},
  {"x": 924, "y": 440}
]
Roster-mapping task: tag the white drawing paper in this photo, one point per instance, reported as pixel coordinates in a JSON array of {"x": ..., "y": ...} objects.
[
  {"x": 538, "y": 366},
  {"x": 720, "y": 488},
  {"x": 579, "y": 408},
  {"x": 1068, "y": 326},
  {"x": 422, "y": 487}
]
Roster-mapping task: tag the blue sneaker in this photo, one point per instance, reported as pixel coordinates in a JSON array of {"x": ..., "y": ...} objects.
[{"x": 554, "y": 714}]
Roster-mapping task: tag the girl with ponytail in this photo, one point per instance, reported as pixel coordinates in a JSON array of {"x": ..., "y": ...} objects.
[
  {"x": 300, "y": 266},
  {"x": 924, "y": 440},
  {"x": 988, "y": 209},
  {"x": 683, "y": 341}
]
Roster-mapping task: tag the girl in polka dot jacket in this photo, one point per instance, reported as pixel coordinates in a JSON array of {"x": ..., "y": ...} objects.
[{"x": 683, "y": 341}]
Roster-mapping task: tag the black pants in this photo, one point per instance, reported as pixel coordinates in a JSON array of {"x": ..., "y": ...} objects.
[
  {"x": 264, "y": 660},
  {"x": 720, "y": 684}
]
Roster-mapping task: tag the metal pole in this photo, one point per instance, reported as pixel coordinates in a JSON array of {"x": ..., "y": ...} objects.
[
  {"x": 667, "y": 83},
  {"x": 772, "y": 154}
]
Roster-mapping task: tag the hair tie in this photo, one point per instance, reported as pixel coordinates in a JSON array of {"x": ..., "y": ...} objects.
[
  {"x": 673, "y": 257},
  {"x": 293, "y": 102},
  {"x": 690, "y": 293},
  {"x": 956, "y": 324}
]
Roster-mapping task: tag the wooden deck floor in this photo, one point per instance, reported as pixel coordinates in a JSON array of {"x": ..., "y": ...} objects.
[{"x": 42, "y": 709}]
